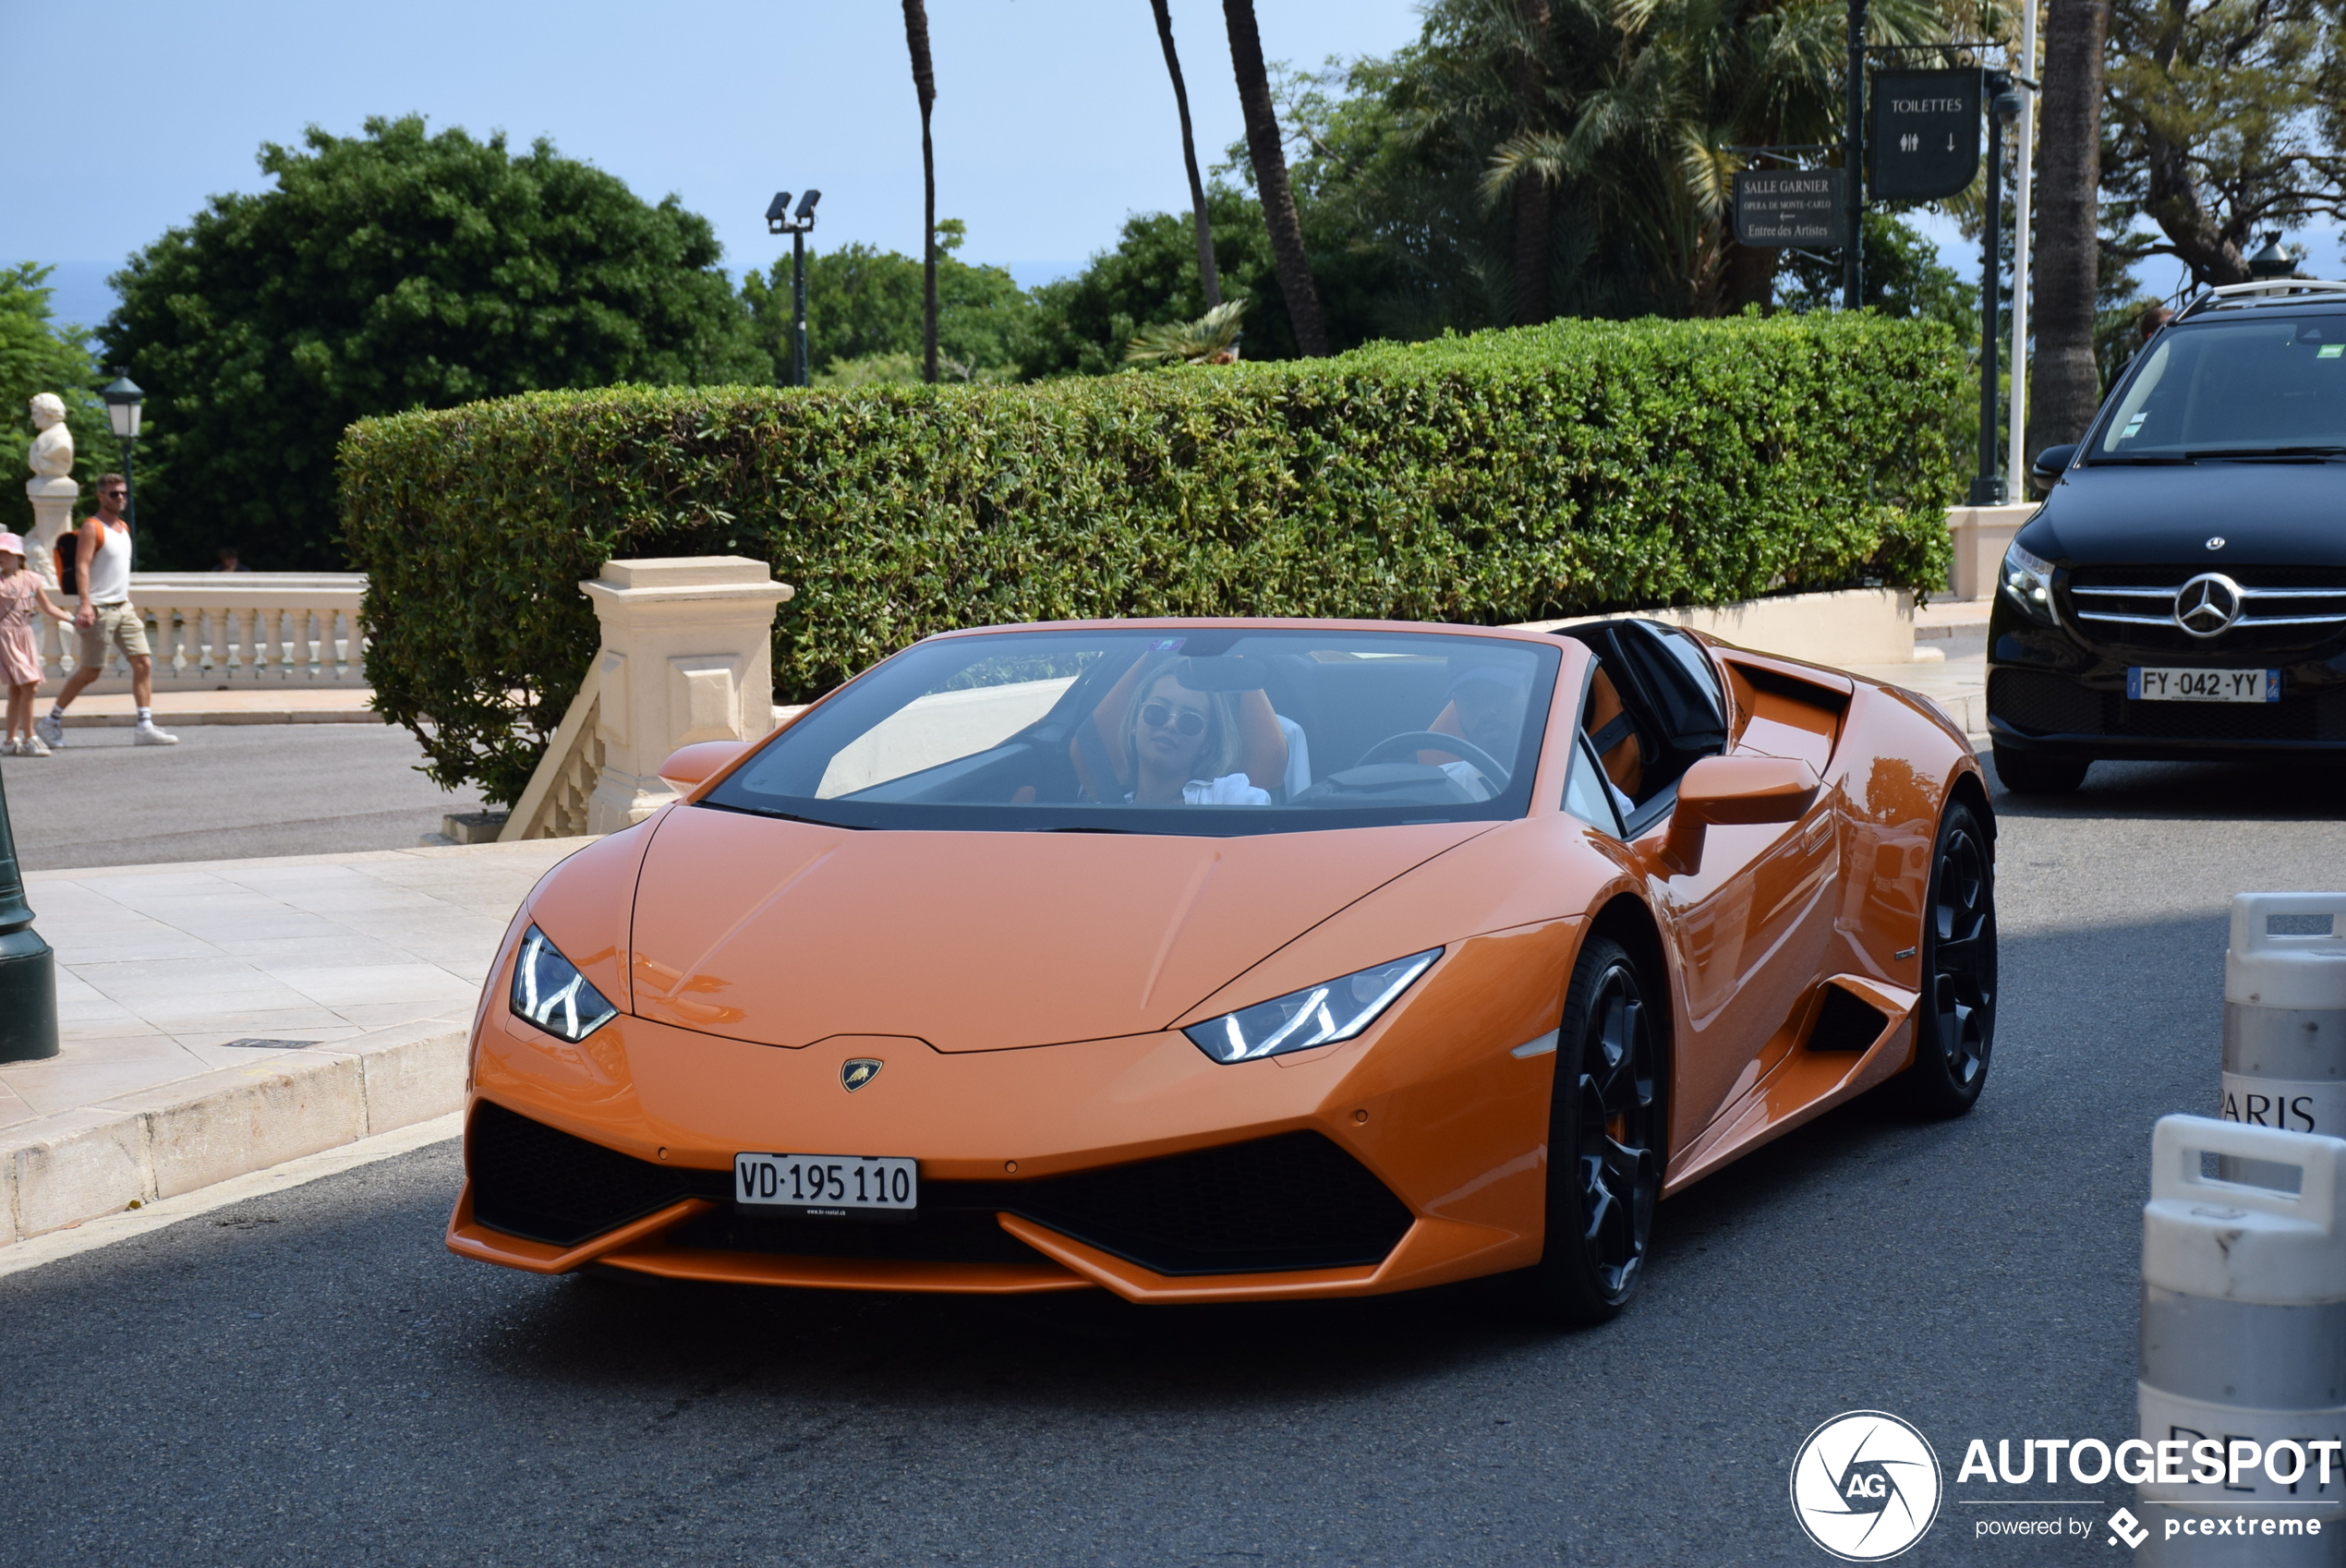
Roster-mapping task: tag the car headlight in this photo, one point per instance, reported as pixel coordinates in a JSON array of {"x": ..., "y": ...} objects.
[
  {"x": 2028, "y": 579},
  {"x": 1318, "y": 1015},
  {"x": 551, "y": 993}
]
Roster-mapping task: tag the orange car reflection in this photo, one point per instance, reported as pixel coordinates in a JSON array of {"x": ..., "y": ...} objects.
[{"x": 1255, "y": 959}]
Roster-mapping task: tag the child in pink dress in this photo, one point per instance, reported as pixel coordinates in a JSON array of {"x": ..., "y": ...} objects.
[{"x": 21, "y": 594}]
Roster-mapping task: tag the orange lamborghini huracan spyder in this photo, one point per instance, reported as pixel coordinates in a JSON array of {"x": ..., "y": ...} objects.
[{"x": 1210, "y": 961}]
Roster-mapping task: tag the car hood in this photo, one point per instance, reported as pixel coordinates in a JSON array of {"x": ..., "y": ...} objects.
[
  {"x": 2267, "y": 514},
  {"x": 786, "y": 932}
]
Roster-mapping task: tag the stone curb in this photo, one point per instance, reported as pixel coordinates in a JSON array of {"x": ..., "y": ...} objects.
[
  {"x": 229, "y": 715},
  {"x": 159, "y": 1142}
]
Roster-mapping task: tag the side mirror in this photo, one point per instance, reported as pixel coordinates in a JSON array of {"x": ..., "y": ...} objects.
[
  {"x": 2044, "y": 472},
  {"x": 688, "y": 766},
  {"x": 1733, "y": 791}
]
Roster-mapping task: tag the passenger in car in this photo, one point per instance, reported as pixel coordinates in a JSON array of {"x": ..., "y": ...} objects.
[{"x": 1184, "y": 748}]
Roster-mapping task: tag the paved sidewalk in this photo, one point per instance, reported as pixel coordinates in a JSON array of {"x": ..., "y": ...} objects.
[{"x": 220, "y": 1017}]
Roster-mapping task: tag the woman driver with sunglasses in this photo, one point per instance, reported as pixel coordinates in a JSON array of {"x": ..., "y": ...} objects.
[{"x": 1184, "y": 747}]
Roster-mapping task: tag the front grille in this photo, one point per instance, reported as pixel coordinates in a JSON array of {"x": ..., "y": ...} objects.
[
  {"x": 2045, "y": 704},
  {"x": 2291, "y": 718},
  {"x": 533, "y": 1181},
  {"x": 1293, "y": 1201},
  {"x": 2280, "y": 606},
  {"x": 941, "y": 1231}
]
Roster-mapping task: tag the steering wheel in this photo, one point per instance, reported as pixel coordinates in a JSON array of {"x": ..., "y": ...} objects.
[{"x": 1434, "y": 741}]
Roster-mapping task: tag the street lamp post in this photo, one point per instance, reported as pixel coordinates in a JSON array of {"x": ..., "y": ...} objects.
[
  {"x": 27, "y": 968},
  {"x": 123, "y": 402},
  {"x": 2003, "y": 108},
  {"x": 781, "y": 220}
]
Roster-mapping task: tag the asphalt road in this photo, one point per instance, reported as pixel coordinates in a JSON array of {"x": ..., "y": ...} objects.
[
  {"x": 309, "y": 1378},
  {"x": 224, "y": 792}
]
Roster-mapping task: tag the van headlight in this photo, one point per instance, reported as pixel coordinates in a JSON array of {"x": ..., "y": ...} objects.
[
  {"x": 550, "y": 991},
  {"x": 1317, "y": 1015},
  {"x": 2028, "y": 579}
]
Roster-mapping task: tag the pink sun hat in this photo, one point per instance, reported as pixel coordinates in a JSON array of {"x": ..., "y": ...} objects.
[{"x": 10, "y": 544}]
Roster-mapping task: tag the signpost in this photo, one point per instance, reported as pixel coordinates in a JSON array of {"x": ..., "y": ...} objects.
[
  {"x": 1783, "y": 208},
  {"x": 1924, "y": 142}
]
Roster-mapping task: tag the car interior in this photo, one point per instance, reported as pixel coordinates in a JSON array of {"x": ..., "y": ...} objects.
[
  {"x": 1654, "y": 710},
  {"x": 1333, "y": 727}
]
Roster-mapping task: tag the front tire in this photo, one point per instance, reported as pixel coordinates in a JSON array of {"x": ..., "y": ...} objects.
[
  {"x": 1955, "y": 1021},
  {"x": 2033, "y": 773},
  {"x": 1606, "y": 1139}
]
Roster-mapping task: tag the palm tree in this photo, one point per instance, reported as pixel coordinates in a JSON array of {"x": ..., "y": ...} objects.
[
  {"x": 2065, "y": 385},
  {"x": 924, "y": 84},
  {"x": 1207, "y": 274},
  {"x": 1263, "y": 145},
  {"x": 1534, "y": 203}
]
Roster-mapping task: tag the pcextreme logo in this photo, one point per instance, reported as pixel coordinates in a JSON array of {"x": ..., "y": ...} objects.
[{"x": 1866, "y": 1486}]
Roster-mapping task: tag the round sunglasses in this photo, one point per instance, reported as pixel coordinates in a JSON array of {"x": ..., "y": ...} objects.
[{"x": 1164, "y": 716}]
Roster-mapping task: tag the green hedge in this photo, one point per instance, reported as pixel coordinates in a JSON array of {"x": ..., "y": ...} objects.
[{"x": 1503, "y": 477}]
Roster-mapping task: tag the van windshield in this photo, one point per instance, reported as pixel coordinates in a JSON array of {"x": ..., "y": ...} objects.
[
  {"x": 2217, "y": 388},
  {"x": 1212, "y": 731}
]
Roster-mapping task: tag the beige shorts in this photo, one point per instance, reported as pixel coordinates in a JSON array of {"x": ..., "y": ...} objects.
[{"x": 119, "y": 624}]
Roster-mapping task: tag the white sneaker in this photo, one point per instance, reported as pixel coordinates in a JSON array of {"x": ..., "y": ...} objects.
[
  {"x": 49, "y": 728},
  {"x": 31, "y": 747},
  {"x": 9, "y": 748},
  {"x": 147, "y": 735}
]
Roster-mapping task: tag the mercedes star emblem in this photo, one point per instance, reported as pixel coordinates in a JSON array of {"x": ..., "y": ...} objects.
[
  {"x": 857, "y": 1071},
  {"x": 2208, "y": 604},
  {"x": 2216, "y": 543}
]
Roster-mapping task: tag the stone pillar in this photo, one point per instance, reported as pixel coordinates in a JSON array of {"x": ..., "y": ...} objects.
[
  {"x": 687, "y": 655},
  {"x": 1982, "y": 534},
  {"x": 51, "y": 514}
]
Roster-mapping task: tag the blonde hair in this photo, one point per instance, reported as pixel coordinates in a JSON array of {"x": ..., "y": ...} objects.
[{"x": 1219, "y": 751}]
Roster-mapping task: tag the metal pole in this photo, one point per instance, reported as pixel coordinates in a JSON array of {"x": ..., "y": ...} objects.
[
  {"x": 130, "y": 487},
  {"x": 2016, "y": 463},
  {"x": 1987, "y": 490},
  {"x": 1853, "y": 255},
  {"x": 28, "y": 969},
  {"x": 798, "y": 306}
]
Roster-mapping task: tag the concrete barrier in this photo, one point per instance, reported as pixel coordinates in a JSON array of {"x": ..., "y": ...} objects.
[
  {"x": 2241, "y": 1392},
  {"x": 2285, "y": 1014}
]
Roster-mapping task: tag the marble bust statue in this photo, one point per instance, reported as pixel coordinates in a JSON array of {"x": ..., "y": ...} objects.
[{"x": 52, "y": 454}]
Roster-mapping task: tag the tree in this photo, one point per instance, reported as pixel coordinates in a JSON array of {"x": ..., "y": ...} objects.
[
  {"x": 1268, "y": 152},
  {"x": 2065, "y": 382},
  {"x": 924, "y": 87},
  {"x": 1210, "y": 281},
  {"x": 390, "y": 271},
  {"x": 38, "y": 355},
  {"x": 864, "y": 303},
  {"x": 2224, "y": 120}
]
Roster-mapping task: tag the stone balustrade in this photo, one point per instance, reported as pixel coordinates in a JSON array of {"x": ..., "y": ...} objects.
[{"x": 217, "y": 629}]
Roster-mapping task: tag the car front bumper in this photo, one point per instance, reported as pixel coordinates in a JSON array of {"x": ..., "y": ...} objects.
[
  {"x": 2051, "y": 692},
  {"x": 1409, "y": 1157}
]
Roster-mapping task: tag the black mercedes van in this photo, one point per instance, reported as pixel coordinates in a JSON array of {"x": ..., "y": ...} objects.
[{"x": 2182, "y": 593}]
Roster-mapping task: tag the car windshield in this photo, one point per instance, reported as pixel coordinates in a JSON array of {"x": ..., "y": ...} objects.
[
  {"x": 2246, "y": 388},
  {"x": 1206, "y": 731}
]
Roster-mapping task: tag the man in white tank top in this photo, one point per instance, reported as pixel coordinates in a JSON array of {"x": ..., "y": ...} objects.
[{"x": 106, "y": 616}]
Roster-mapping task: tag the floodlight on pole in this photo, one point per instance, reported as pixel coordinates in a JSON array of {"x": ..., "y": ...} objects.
[
  {"x": 124, "y": 401},
  {"x": 781, "y": 220}
]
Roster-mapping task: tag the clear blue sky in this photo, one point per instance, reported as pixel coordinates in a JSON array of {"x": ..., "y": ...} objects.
[{"x": 1054, "y": 117}]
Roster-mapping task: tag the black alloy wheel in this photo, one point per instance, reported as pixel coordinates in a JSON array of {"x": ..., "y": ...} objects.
[
  {"x": 1605, "y": 1140},
  {"x": 2033, "y": 773},
  {"x": 1955, "y": 1025}
]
